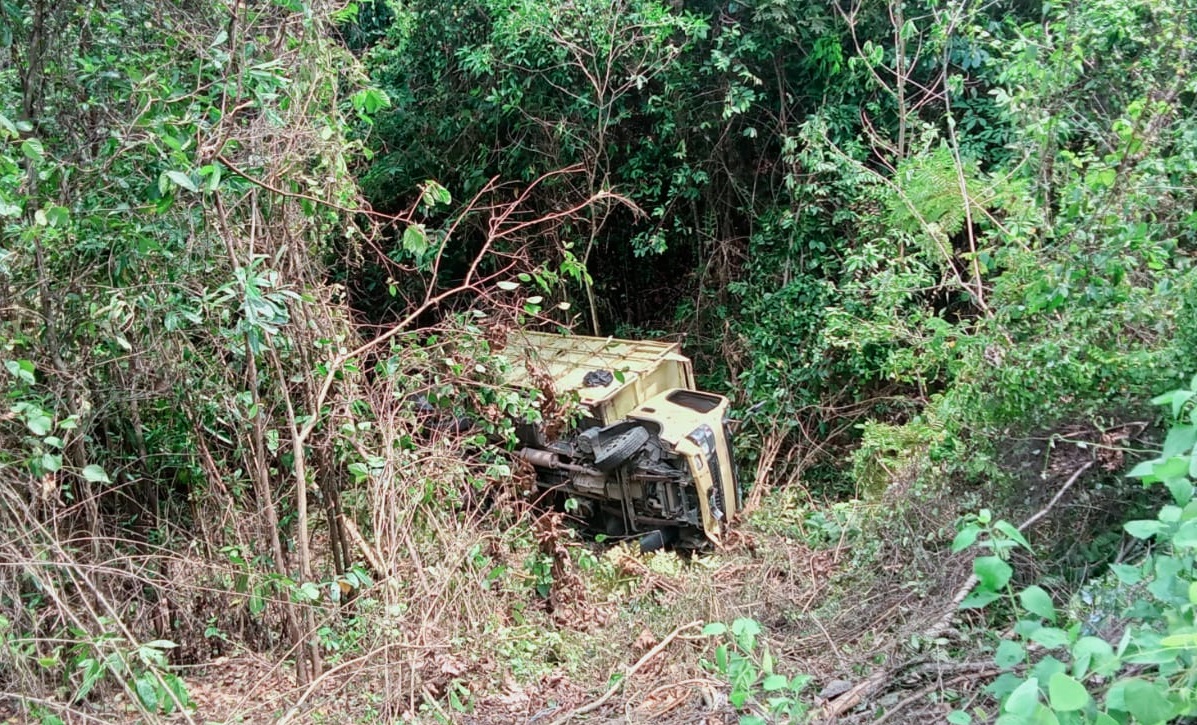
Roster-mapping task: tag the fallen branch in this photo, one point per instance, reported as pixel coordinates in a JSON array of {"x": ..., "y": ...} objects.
[
  {"x": 627, "y": 675},
  {"x": 923, "y": 692},
  {"x": 946, "y": 620},
  {"x": 367, "y": 550}
]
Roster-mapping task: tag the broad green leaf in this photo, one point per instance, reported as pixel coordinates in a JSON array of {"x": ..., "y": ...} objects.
[
  {"x": 1009, "y": 654},
  {"x": 1178, "y": 401},
  {"x": 1144, "y": 469},
  {"x": 1037, "y": 601},
  {"x": 51, "y": 462},
  {"x": 415, "y": 239},
  {"x": 1126, "y": 573},
  {"x": 1143, "y": 529},
  {"x": 147, "y": 693},
  {"x": 1050, "y": 637},
  {"x": 1179, "y": 440},
  {"x": 161, "y": 644},
  {"x": 1044, "y": 715},
  {"x": 32, "y": 149},
  {"x": 1186, "y": 536},
  {"x": 1181, "y": 489},
  {"x": 1146, "y": 702},
  {"x": 992, "y": 572},
  {"x": 1093, "y": 654},
  {"x": 1046, "y": 667},
  {"x": 979, "y": 599},
  {"x": 22, "y": 369},
  {"x": 1171, "y": 467},
  {"x": 95, "y": 474},
  {"x": 1188, "y": 639},
  {"x": 507, "y": 286},
  {"x": 714, "y": 629},
  {"x": 772, "y": 683},
  {"x": 1066, "y": 694},
  {"x": 965, "y": 538},
  {"x": 1024, "y": 699},
  {"x": 745, "y": 625},
  {"x": 182, "y": 180},
  {"x": 1011, "y": 531},
  {"x": 38, "y": 424},
  {"x": 959, "y": 717}
]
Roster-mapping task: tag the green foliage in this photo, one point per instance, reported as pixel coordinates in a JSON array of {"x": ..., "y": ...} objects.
[
  {"x": 748, "y": 666},
  {"x": 1056, "y": 669}
]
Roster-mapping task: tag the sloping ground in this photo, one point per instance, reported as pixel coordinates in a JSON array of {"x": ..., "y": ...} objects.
[
  {"x": 489, "y": 617},
  {"x": 830, "y": 600}
]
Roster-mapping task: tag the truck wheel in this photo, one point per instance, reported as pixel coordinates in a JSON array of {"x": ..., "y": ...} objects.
[{"x": 619, "y": 449}]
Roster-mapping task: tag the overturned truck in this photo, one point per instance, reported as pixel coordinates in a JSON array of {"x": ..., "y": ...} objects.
[{"x": 650, "y": 456}]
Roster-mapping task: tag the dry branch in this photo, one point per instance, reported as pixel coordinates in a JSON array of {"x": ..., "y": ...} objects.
[{"x": 627, "y": 675}]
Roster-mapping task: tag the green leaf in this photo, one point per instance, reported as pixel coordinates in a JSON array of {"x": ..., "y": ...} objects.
[
  {"x": 309, "y": 591},
  {"x": 1011, "y": 531},
  {"x": 1066, "y": 694},
  {"x": 32, "y": 149},
  {"x": 1187, "y": 640},
  {"x": 992, "y": 572},
  {"x": 1181, "y": 489},
  {"x": 1024, "y": 699},
  {"x": 1144, "y": 469},
  {"x": 182, "y": 180},
  {"x": 51, "y": 462},
  {"x": 95, "y": 474},
  {"x": 965, "y": 538},
  {"x": 979, "y": 599},
  {"x": 1171, "y": 467},
  {"x": 745, "y": 626},
  {"x": 147, "y": 693},
  {"x": 1179, "y": 440},
  {"x": 161, "y": 644},
  {"x": 1146, "y": 702},
  {"x": 22, "y": 369},
  {"x": 1009, "y": 654},
  {"x": 359, "y": 471},
  {"x": 38, "y": 424},
  {"x": 714, "y": 629},
  {"x": 415, "y": 239},
  {"x": 1143, "y": 529},
  {"x": 1093, "y": 654},
  {"x": 508, "y": 286},
  {"x": 959, "y": 717},
  {"x": 1127, "y": 574},
  {"x": 1050, "y": 637},
  {"x": 1186, "y": 536},
  {"x": 773, "y": 683},
  {"x": 1037, "y": 601}
]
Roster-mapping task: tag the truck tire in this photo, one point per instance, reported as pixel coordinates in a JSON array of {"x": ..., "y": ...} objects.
[{"x": 613, "y": 453}]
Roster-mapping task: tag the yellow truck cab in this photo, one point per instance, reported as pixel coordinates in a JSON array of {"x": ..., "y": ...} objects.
[{"x": 651, "y": 455}]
